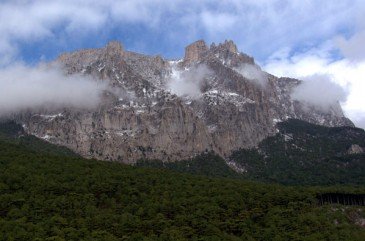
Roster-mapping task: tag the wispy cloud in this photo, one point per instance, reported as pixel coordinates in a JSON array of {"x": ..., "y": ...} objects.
[
  {"x": 353, "y": 47},
  {"x": 318, "y": 65},
  {"x": 30, "y": 88},
  {"x": 319, "y": 90},
  {"x": 258, "y": 27},
  {"x": 188, "y": 82},
  {"x": 253, "y": 73},
  {"x": 216, "y": 23}
]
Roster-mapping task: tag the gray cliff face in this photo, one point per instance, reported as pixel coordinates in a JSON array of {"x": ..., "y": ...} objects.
[{"x": 140, "y": 117}]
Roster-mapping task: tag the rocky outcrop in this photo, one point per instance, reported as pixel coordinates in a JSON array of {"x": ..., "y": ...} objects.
[
  {"x": 195, "y": 51},
  {"x": 228, "y": 53},
  {"x": 355, "y": 149},
  {"x": 114, "y": 48},
  {"x": 141, "y": 118}
]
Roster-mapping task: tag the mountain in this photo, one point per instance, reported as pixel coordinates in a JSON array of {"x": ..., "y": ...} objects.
[
  {"x": 214, "y": 99},
  {"x": 14, "y": 137},
  {"x": 306, "y": 154},
  {"x": 299, "y": 154},
  {"x": 49, "y": 193}
]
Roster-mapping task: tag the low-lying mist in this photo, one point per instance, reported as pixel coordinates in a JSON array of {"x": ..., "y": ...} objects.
[
  {"x": 30, "y": 88},
  {"x": 188, "y": 82},
  {"x": 320, "y": 91},
  {"x": 253, "y": 73}
]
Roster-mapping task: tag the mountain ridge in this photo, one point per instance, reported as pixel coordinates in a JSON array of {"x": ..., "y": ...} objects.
[{"x": 155, "y": 114}]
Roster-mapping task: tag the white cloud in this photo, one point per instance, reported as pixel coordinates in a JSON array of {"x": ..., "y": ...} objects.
[
  {"x": 7, "y": 52},
  {"x": 217, "y": 23},
  {"x": 300, "y": 64},
  {"x": 253, "y": 73},
  {"x": 188, "y": 82},
  {"x": 29, "y": 88},
  {"x": 320, "y": 91},
  {"x": 353, "y": 48},
  {"x": 348, "y": 74},
  {"x": 257, "y": 26}
]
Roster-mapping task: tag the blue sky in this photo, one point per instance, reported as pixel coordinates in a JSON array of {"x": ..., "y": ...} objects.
[
  {"x": 41, "y": 29},
  {"x": 294, "y": 38}
]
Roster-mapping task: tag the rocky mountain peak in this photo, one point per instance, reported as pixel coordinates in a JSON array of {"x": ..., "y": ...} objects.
[
  {"x": 229, "y": 46},
  {"x": 226, "y": 52},
  {"x": 195, "y": 51},
  {"x": 114, "y": 47},
  {"x": 229, "y": 54}
]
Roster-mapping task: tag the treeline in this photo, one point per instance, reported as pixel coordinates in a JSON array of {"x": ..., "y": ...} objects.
[{"x": 207, "y": 164}]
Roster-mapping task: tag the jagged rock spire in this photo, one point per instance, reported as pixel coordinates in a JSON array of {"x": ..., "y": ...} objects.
[
  {"x": 230, "y": 46},
  {"x": 195, "y": 51},
  {"x": 114, "y": 47}
]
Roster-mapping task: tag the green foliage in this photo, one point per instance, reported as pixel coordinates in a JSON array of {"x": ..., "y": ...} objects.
[{"x": 47, "y": 195}]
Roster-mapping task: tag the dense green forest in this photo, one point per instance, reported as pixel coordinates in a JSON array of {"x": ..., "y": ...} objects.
[{"x": 49, "y": 193}]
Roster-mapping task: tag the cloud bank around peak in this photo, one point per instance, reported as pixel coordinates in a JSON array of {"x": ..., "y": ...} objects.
[
  {"x": 188, "y": 82},
  {"x": 318, "y": 65},
  {"x": 254, "y": 74},
  {"x": 31, "y": 88},
  {"x": 320, "y": 91}
]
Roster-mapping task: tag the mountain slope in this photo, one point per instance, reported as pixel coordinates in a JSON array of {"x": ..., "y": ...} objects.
[
  {"x": 13, "y": 136},
  {"x": 214, "y": 99},
  {"x": 50, "y": 196},
  {"x": 299, "y": 154},
  {"x": 303, "y": 153},
  {"x": 207, "y": 164}
]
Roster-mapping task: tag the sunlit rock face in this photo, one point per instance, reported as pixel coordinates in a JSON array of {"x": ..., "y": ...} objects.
[
  {"x": 355, "y": 149},
  {"x": 235, "y": 105}
]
